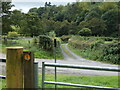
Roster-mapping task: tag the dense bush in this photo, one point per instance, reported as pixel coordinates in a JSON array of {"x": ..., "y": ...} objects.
[
  {"x": 85, "y": 32},
  {"x": 45, "y": 42},
  {"x": 65, "y": 38},
  {"x": 111, "y": 52},
  {"x": 13, "y": 35}
]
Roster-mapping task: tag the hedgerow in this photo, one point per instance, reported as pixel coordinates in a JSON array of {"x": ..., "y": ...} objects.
[{"x": 104, "y": 49}]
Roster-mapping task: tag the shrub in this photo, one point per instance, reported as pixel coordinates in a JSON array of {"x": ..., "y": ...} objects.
[
  {"x": 97, "y": 43},
  {"x": 12, "y": 35},
  {"x": 65, "y": 38},
  {"x": 35, "y": 41},
  {"x": 85, "y": 32},
  {"x": 45, "y": 43},
  {"x": 52, "y": 34}
]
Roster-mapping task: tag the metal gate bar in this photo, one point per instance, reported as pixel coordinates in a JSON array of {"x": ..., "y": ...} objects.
[
  {"x": 79, "y": 85},
  {"x": 75, "y": 67},
  {"x": 2, "y": 77},
  {"x": 82, "y": 67}
]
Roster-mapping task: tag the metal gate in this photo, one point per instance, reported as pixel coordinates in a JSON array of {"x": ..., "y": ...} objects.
[{"x": 75, "y": 67}]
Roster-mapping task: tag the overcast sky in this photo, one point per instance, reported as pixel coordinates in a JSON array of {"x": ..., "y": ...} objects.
[{"x": 25, "y": 5}]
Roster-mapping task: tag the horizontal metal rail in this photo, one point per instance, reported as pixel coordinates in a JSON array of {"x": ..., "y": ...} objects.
[
  {"x": 82, "y": 67},
  {"x": 76, "y": 67},
  {"x": 79, "y": 85},
  {"x": 2, "y": 60},
  {"x": 2, "y": 77}
]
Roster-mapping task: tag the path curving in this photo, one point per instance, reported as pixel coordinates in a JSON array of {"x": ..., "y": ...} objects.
[{"x": 75, "y": 60}]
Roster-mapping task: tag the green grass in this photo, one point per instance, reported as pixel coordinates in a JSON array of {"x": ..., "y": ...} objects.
[
  {"x": 2, "y": 83},
  {"x": 105, "y": 81}
]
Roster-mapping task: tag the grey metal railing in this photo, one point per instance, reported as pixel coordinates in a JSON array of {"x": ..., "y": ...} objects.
[
  {"x": 76, "y": 67},
  {"x": 1, "y": 76},
  {"x": 2, "y": 60}
]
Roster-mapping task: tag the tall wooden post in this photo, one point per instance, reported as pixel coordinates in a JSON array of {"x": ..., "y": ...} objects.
[
  {"x": 14, "y": 67},
  {"x": 28, "y": 70}
]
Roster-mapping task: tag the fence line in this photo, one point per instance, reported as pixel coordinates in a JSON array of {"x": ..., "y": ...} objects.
[
  {"x": 76, "y": 67},
  {"x": 2, "y": 77},
  {"x": 2, "y": 60}
]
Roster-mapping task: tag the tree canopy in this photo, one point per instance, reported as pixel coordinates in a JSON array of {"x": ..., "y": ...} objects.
[{"x": 100, "y": 17}]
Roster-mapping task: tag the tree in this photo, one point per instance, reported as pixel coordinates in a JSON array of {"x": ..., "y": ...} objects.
[
  {"x": 91, "y": 14},
  {"x": 85, "y": 32},
  {"x": 111, "y": 20},
  {"x": 40, "y": 11},
  {"x": 57, "y": 25},
  {"x": 48, "y": 25},
  {"x": 64, "y": 28},
  {"x": 33, "y": 10},
  {"x": 97, "y": 26},
  {"x": 73, "y": 28},
  {"x": 6, "y": 21},
  {"x": 106, "y": 6},
  {"x": 32, "y": 25},
  {"x": 81, "y": 16},
  {"x": 82, "y": 25},
  {"x": 16, "y": 18}
]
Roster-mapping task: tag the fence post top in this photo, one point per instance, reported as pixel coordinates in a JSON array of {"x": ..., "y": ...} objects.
[{"x": 14, "y": 47}]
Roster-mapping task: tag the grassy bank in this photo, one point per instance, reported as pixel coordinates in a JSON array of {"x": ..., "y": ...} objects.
[{"x": 106, "y": 81}]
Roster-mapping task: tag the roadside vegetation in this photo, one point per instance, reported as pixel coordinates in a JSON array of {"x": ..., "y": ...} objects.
[
  {"x": 105, "y": 49},
  {"x": 106, "y": 81},
  {"x": 31, "y": 44}
]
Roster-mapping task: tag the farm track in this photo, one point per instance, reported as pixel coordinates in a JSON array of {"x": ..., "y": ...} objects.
[{"x": 76, "y": 60}]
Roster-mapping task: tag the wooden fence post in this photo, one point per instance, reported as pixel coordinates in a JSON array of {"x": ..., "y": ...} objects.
[
  {"x": 28, "y": 70},
  {"x": 14, "y": 67}
]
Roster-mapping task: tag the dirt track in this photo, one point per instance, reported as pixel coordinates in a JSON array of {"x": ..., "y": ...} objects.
[{"x": 75, "y": 60}]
